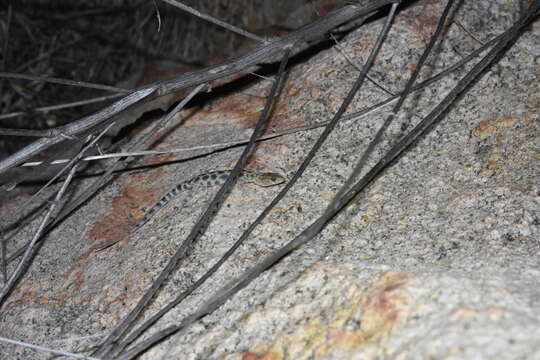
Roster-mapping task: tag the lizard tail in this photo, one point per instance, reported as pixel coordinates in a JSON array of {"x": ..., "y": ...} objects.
[{"x": 146, "y": 219}]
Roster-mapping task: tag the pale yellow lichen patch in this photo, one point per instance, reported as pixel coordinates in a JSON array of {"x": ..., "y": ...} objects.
[{"x": 333, "y": 326}]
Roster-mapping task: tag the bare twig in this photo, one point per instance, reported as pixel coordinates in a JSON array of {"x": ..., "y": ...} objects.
[
  {"x": 216, "y": 147},
  {"x": 45, "y": 109},
  {"x": 5, "y": 45},
  {"x": 46, "y": 349},
  {"x": 337, "y": 204},
  {"x": 74, "y": 128},
  {"x": 222, "y": 146},
  {"x": 4, "y": 259},
  {"x": 69, "y": 164},
  {"x": 397, "y": 107},
  {"x": 107, "y": 349},
  {"x": 348, "y": 58},
  {"x": 353, "y": 64},
  {"x": 158, "y": 15},
  {"x": 215, "y": 21},
  {"x": 244, "y": 63},
  {"x": 3, "y": 266},
  {"x": 7, "y": 75},
  {"x": 90, "y": 190},
  {"x": 429, "y": 81},
  {"x": 471, "y": 35},
  {"x": 31, "y": 249},
  {"x": 345, "y": 195},
  {"x": 327, "y": 131}
]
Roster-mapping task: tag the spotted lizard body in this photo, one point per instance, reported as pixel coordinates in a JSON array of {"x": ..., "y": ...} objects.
[{"x": 209, "y": 179}]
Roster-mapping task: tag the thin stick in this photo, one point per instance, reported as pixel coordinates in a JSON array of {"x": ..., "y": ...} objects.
[
  {"x": 471, "y": 35},
  {"x": 48, "y": 133},
  {"x": 397, "y": 107},
  {"x": 76, "y": 127},
  {"x": 3, "y": 265},
  {"x": 243, "y": 63},
  {"x": 86, "y": 193},
  {"x": 6, "y": 42},
  {"x": 202, "y": 224},
  {"x": 220, "y": 146},
  {"x": 358, "y": 83},
  {"x": 215, "y": 21},
  {"x": 337, "y": 204},
  {"x": 70, "y": 163},
  {"x": 429, "y": 81},
  {"x": 53, "y": 80},
  {"x": 31, "y": 249},
  {"x": 43, "y": 348},
  {"x": 4, "y": 259}
]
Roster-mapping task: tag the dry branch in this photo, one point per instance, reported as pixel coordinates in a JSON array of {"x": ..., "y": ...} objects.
[{"x": 264, "y": 54}]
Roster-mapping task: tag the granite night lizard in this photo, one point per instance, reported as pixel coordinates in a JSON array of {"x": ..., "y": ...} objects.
[{"x": 209, "y": 179}]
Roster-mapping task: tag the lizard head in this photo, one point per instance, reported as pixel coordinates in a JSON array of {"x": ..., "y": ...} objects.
[{"x": 267, "y": 179}]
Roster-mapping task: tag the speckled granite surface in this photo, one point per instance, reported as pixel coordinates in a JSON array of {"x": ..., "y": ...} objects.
[{"x": 439, "y": 258}]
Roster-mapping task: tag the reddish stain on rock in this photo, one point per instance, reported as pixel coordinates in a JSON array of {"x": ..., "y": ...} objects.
[
  {"x": 238, "y": 109},
  {"x": 138, "y": 193},
  {"x": 251, "y": 356},
  {"x": 265, "y": 356},
  {"x": 489, "y": 127},
  {"x": 384, "y": 304},
  {"x": 423, "y": 19}
]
